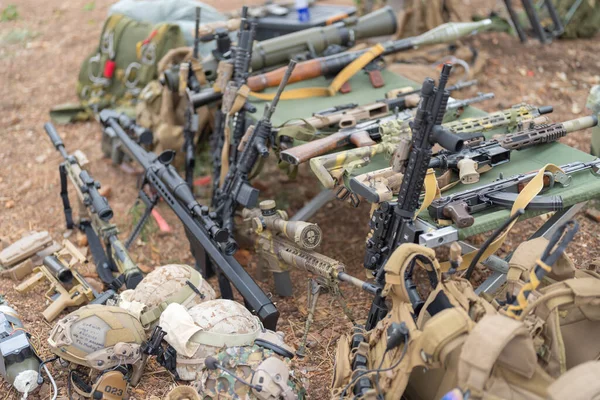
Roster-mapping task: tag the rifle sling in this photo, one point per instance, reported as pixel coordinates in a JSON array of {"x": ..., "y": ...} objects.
[
  {"x": 531, "y": 190},
  {"x": 344, "y": 76}
]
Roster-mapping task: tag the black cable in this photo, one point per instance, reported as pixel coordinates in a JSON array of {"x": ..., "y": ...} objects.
[
  {"x": 378, "y": 370},
  {"x": 489, "y": 241}
]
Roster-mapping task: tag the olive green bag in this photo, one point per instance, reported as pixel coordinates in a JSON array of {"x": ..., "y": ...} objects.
[{"x": 124, "y": 61}]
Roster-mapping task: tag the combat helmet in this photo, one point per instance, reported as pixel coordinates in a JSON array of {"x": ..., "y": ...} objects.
[
  {"x": 173, "y": 283},
  {"x": 204, "y": 329},
  {"x": 106, "y": 339},
  {"x": 264, "y": 365}
]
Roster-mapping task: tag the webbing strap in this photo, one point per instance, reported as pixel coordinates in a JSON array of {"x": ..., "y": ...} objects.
[
  {"x": 432, "y": 191},
  {"x": 344, "y": 76},
  {"x": 532, "y": 189}
]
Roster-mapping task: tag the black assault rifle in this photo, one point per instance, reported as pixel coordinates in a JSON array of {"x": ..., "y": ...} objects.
[
  {"x": 393, "y": 222},
  {"x": 210, "y": 244}
]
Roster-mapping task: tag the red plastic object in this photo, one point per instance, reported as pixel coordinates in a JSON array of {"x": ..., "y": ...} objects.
[
  {"x": 376, "y": 79},
  {"x": 202, "y": 181},
  {"x": 346, "y": 88},
  {"x": 109, "y": 68},
  {"x": 160, "y": 221}
]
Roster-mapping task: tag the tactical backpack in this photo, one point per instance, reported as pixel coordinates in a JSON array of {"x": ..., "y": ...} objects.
[
  {"x": 124, "y": 61},
  {"x": 456, "y": 341}
]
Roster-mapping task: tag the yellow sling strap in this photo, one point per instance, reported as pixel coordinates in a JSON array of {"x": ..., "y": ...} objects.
[
  {"x": 432, "y": 191},
  {"x": 532, "y": 189},
  {"x": 344, "y": 76}
]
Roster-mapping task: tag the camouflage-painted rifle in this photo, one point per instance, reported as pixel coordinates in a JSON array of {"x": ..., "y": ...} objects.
[
  {"x": 282, "y": 244},
  {"x": 366, "y": 133},
  {"x": 473, "y": 160},
  {"x": 94, "y": 216},
  {"x": 330, "y": 168}
]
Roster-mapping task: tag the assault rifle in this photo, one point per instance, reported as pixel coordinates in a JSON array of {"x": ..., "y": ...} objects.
[
  {"x": 233, "y": 106},
  {"x": 282, "y": 244},
  {"x": 348, "y": 115},
  {"x": 502, "y": 193},
  {"x": 114, "y": 256},
  {"x": 210, "y": 244},
  {"x": 485, "y": 155},
  {"x": 364, "y": 134},
  {"x": 236, "y": 188},
  {"x": 393, "y": 222},
  {"x": 475, "y": 158},
  {"x": 331, "y": 65},
  {"x": 329, "y": 168}
]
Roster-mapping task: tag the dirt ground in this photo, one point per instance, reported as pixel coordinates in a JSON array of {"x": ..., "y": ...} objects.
[{"x": 40, "y": 56}]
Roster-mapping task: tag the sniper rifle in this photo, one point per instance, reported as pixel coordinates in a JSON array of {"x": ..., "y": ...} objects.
[
  {"x": 210, "y": 244},
  {"x": 95, "y": 222}
]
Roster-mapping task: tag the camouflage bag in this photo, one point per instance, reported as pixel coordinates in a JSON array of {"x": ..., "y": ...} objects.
[{"x": 125, "y": 60}]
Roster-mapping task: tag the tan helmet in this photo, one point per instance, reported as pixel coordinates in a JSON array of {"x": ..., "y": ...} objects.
[
  {"x": 173, "y": 283},
  {"x": 204, "y": 329},
  {"x": 106, "y": 339}
]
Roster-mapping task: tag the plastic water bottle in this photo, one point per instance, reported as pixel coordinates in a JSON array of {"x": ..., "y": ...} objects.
[{"x": 302, "y": 10}]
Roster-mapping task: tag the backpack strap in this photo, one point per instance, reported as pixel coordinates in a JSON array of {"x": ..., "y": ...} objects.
[
  {"x": 579, "y": 383},
  {"x": 495, "y": 339}
]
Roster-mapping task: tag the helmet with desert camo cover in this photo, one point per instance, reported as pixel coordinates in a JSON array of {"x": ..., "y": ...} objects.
[
  {"x": 204, "y": 329},
  {"x": 267, "y": 363},
  {"x": 173, "y": 283}
]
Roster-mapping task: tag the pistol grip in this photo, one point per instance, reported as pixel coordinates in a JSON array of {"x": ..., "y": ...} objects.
[
  {"x": 468, "y": 171},
  {"x": 459, "y": 213},
  {"x": 376, "y": 78},
  {"x": 362, "y": 139},
  {"x": 55, "y": 308}
]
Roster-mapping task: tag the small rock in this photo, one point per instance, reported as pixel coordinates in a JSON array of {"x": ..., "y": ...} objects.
[
  {"x": 41, "y": 158},
  {"x": 593, "y": 214},
  {"x": 562, "y": 76},
  {"x": 105, "y": 191},
  {"x": 82, "y": 240},
  {"x": 576, "y": 108},
  {"x": 68, "y": 233},
  {"x": 25, "y": 186},
  {"x": 10, "y": 204}
]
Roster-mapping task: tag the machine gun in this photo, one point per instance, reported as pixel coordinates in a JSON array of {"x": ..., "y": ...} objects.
[
  {"x": 329, "y": 168},
  {"x": 67, "y": 287},
  {"x": 234, "y": 105},
  {"x": 393, "y": 222},
  {"x": 458, "y": 207},
  {"x": 236, "y": 188},
  {"x": 95, "y": 224},
  {"x": 281, "y": 243},
  {"x": 210, "y": 244},
  {"x": 483, "y": 156},
  {"x": 332, "y": 65},
  {"x": 364, "y": 134},
  {"x": 477, "y": 157}
]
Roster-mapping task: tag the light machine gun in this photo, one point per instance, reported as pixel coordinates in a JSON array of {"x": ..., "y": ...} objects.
[
  {"x": 95, "y": 224},
  {"x": 282, "y": 244},
  {"x": 210, "y": 244}
]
